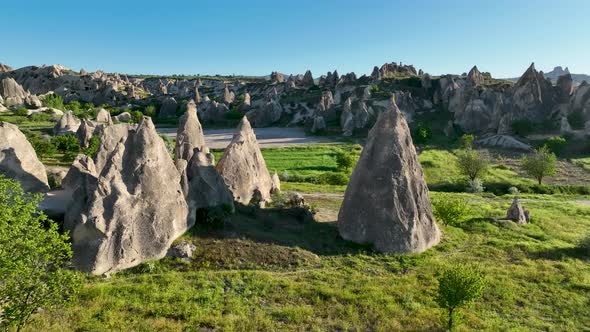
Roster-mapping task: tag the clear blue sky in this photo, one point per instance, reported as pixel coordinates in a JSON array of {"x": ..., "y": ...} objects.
[{"x": 290, "y": 36}]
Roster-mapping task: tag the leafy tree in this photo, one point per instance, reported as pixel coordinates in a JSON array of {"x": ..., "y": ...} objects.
[
  {"x": 540, "y": 163},
  {"x": 43, "y": 148},
  {"x": 66, "y": 143},
  {"x": 136, "y": 116},
  {"x": 450, "y": 209},
  {"x": 33, "y": 259},
  {"x": 21, "y": 112},
  {"x": 93, "y": 146},
  {"x": 345, "y": 160},
  {"x": 468, "y": 141},
  {"x": 422, "y": 133},
  {"x": 54, "y": 101},
  {"x": 472, "y": 164},
  {"x": 150, "y": 110},
  {"x": 458, "y": 286},
  {"x": 556, "y": 144}
]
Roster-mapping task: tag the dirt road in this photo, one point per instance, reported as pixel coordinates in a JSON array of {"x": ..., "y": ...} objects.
[{"x": 267, "y": 137}]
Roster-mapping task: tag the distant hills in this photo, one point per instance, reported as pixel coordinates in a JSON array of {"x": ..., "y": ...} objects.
[{"x": 558, "y": 71}]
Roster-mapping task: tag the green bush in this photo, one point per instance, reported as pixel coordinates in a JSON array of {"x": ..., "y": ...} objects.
[
  {"x": 54, "y": 101},
  {"x": 150, "y": 110},
  {"x": 450, "y": 209},
  {"x": 93, "y": 146},
  {"x": 41, "y": 117},
  {"x": 66, "y": 143},
  {"x": 42, "y": 147},
  {"x": 345, "y": 160},
  {"x": 34, "y": 259},
  {"x": 332, "y": 178},
  {"x": 21, "y": 112},
  {"x": 471, "y": 164},
  {"x": 422, "y": 134},
  {"x": 136, "y": 116},
  {"x": 458, "y": 286},
  {"x": 556, "y": 144}
]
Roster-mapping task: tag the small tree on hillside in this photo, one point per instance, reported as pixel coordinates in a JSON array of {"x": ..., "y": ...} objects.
[
  {"x": 33, "y": 259},
  {"x": 458, "y": 287},
  {"x": 540, "y": 163},
  {"x": 472, "y": 164}
]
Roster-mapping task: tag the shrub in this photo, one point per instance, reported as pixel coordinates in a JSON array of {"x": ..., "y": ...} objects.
[
  {"x": 422, "y": 134},
  {"x": 93, "y": 146},
  {"x": 522, "y": 127},
  {"x": 66, "y": 143},
  {"x": 458, "y": 286},
  {"x": 42, "y": 147},
  {"x": 345, "y": 160},
  {"x": 450, "y": 209},
  {"x": 54, "y": 101},
  {"x": 136, "y": 116},
  {"x": 555, "y": 144},
  {"x": 333, "y": 178},
  {"x": 471, "y": 164},
  {"x": 475, "y": 186},
  {"x": 33, "y": 259},
  {"x": 513, "y": 191},
  {"x": 540, "y": 163},
  {"x": 468, "y": 141},
  {"x": 150, "y": 110},
  {"x": 284, "y": 175},
  {"x": 21, "y": 112},
  {"x": 41, "y": 117}
]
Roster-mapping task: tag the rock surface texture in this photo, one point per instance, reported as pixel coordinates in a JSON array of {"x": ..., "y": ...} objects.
[
  {"x": 386, "y": 202},
  {"x": 242, "y": 166},
  {"x": 18, "y": 160},
  {"x": 128, "y": 206},
  {"x": 189, "y": 134}
]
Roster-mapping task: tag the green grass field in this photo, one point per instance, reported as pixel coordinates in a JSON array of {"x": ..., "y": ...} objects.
[{"x": 269, "y": 273}]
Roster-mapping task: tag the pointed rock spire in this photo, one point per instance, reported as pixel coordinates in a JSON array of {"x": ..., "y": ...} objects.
[
  {"x": 386, "y": 202},
  {"x": 189, "y": 134}
]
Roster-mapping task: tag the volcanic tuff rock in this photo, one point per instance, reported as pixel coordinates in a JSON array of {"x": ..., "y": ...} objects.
[
  {"x": 85, "y": 131},
  {"x": 243, "y": 167},
  {"x": 516, "y": 213},
  {"x": 123, "y": 117},
  {"x": 131, "y": 207},
  {"x": 18, "y": 160},
  {"x": 168, "y": 108},
  {"x": 386, "y": 202},
  {"x": 5, "y": 68},
  {"x": 12, "y": 93},
  {"x": 228, "y": 96},
  {"x": 206, "y": 187},
  {"x": 189, "y": 134},
  {"x": 319, "y": 124},
  {"x": 104, "y": 117},
  {"x": 307, "y": 79},
  {"x": 68, "y": 124}
]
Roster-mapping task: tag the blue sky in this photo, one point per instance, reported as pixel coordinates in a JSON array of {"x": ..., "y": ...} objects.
[{"x": 257, "y": 37}]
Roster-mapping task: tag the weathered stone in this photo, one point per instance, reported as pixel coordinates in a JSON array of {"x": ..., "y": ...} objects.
[
  {"x": 12, "y": 93},
  {"x": 503, "y": 142},
  {"x": 189, "y": 134},
  {"x": 516, "y": 213},
  {"x": 168, "y": 108},
  {"x": 85, "y": 131},
  {"x": 67, "y": 125},
  {"x": 182, "y": 250},
  {"x": 104, "y": 117},
  {"x": 132, "y": 207},
  {"x": 18, "y": 160},
  {"x": 123, "y": 117},
  {"x": 386, "y": 202},
  {"x": 228, "y": 96},
  {"x": 276, "y": 184},
  {"x": 308, "y": 79},
  {"x": 243, "y": 167}
]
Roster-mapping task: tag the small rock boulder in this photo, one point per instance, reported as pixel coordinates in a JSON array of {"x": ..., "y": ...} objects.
[
  {"x": 189, "y": 134},
  {"x": 517, "y": 213},
  {"x": 67, "y": 125}
]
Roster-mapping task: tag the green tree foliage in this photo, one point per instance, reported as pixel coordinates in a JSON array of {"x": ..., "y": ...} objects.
[
  {"x": 21, "y": 112},
  {"x": 422, "y": 134},
  {"x": 556, "y": 144},
  {"x": 54, "y": 101},
  {"x": 540, "y": 163},
  {"x": 136, "y": 116},
  {"x": 43, "y": 148},
  {"x": 458, "y": 286},
  {"x": 150, "y": 110},
  {"x": 345, "y": 160},
  {"x": 468, "y": 141},
  {"x": 93, "y": 146},
  {"x": 33, "y": 259},
  {"x": 472, "y": 164},
  {"x": 450, "y": 209}
]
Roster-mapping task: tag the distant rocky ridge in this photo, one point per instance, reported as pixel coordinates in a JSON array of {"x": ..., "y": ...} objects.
[
  {"x": 476, "y": 102},
  {"x": 560, "y": 71}
]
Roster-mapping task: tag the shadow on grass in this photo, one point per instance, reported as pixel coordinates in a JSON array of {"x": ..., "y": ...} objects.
[{"x": 291, "y": 227}]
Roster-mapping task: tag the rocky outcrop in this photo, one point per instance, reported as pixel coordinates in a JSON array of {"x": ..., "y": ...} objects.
[
  {"x": 206, "y": 187},
  {"x": 168, "y": 108},
  {"x": 517, "y": 213},
  {"x": 475, "y": 77},
  {"x": 243, "y": 167},
  {"x": 392, "y": 70},
  {"x": 276, "y": 77},
  {"x": 308, "y": 79},
  {"x": 386, "y": 202},
  {"x": 5, "y": 68},
  {"x": 67, "y": 125},
  {"x": 319, "y": 124},
  {"x": 532, "y": 96},
  {"x": 276, "y": 184},
  {"x": 12, "y": 93},
  {"x": 503, "y": 142},
  {"x": 267, "y": 114},
  {"x": 85, "y": 131},
  {"x": 228, "y": 96},
  {"x": 104, "y": 117},
  {"x": 123, "y": 117},
  {"x": 18, "y": 160},
  {"x": 130, "y": 207},
  {"x": 189, "y": 134}
]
